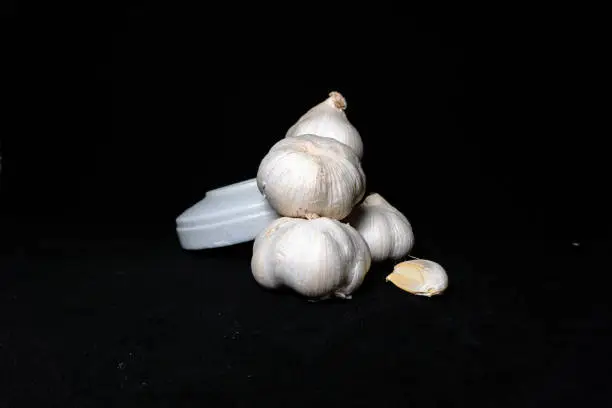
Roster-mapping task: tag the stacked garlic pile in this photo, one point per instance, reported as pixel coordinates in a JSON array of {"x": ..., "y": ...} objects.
[{"x": 327, "y": 237}]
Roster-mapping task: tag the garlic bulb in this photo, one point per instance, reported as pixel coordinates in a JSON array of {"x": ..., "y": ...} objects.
[
  {"x": 386, "y": 230},
  {"x": 310, "y": 176},
  {"x": 419, "y": 277},
  {"x": 318, "y": 258},
  {"x": 328, "y": 119}
]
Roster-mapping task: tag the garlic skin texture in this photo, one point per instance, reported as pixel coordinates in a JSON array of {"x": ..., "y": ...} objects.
[
  {"x": 318, "y": 258},
  {"x": 419, "y": 277},
  {"x": 328, "y": 119},
  {"x": 386, "y": 230},
  {"x": 310, "y": 176}
]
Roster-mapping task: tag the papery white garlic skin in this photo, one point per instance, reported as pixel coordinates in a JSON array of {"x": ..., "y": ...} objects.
[
  {"x": 318, "y": 258},
  {"x": 310, "y": 176},
  {"x": 386, "y": 230},
  {"x": 328, "y": 119},
  {"x": 419, "y": 277}
]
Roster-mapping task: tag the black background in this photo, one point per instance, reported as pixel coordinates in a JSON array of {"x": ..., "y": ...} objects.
[{"x": 114, "y": 132}]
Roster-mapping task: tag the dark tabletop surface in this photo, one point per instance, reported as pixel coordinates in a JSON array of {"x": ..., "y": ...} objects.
[
  {"x": 118, "y": 132},
  {"x": 95, "y": 321}
]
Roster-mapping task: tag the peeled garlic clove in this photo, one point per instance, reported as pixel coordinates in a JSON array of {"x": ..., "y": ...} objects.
[
  {"x": 419, "y": 277},
  {"x": 318, "y": 258},
  {"x": 386, "y": 230},
  {"x": 328, "y": 119},
  {"x": 310, "y": 176}
]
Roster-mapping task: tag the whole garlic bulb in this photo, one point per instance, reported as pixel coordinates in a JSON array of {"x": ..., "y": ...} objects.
[
  {"x": 317, "y": 258},
  {"x": 419, "y": 277},
  {"x": 386, "y": 230},
  {"x": 328, "y": 119},
  {"x": 310, "y": 176}
]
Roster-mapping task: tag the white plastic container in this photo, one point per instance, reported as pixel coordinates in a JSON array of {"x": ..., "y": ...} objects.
[{"x": 225, "y": 216}]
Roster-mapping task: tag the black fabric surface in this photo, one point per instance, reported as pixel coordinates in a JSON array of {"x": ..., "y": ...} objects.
[
  {"x": 118, "y": 132},
  {"x": 101, "y": 322}
]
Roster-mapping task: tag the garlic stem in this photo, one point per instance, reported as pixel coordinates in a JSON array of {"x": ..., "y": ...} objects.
[{"x": 337, "y": 100}]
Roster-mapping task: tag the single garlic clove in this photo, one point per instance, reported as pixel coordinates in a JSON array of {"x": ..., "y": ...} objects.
[
  {"x": 328, "y": 119},
  {"x": 419, "y": 277}
]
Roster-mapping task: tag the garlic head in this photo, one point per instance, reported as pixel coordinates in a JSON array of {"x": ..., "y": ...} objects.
[
  {"x": 310, "y": 176},
  {"x": 328, "y": 119},
  {"x": 419, "y": 277},
  {"x": 386, "y": 230},
  {"x": 318, "y": 258}
]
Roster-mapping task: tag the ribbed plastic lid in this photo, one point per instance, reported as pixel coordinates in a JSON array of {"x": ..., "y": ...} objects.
[{"x": 225, "y": 216}]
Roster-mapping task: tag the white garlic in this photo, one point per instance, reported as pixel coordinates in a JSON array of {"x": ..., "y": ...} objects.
[
  {"x": 386, "y": 230},
  {"x": 328, "y": 119},
  {"x": 318, "y": 258},
  {"x": 310, "y": 176},
  {"x": 419, "y": 277}
]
